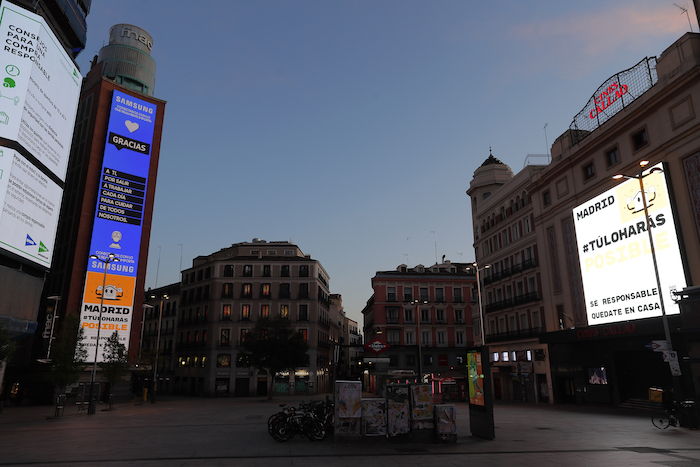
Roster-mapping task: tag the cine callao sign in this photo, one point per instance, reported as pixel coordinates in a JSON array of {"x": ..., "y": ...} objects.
[
  {"x": 118, "y": 221},
  {"x": 617, "y": 268}
]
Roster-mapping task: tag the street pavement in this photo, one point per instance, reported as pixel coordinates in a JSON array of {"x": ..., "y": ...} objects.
[{"x": 180, "y": 431}]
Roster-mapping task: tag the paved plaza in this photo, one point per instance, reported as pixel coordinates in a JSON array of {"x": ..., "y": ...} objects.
[{"x": 221, "y": 432}]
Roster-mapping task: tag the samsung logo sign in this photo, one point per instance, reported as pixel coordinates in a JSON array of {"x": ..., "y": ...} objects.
[{"x": 134, "y": 105}]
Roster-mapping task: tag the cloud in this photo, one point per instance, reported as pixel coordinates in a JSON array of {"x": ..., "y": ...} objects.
[{"x": 568, "y": 44}]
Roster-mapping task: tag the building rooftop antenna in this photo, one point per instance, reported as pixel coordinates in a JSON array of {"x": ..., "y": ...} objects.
[{"x": 684, "y": 9}]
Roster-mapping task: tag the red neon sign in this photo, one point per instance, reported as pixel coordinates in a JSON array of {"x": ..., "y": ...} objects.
[{"x": 606, "y": 98}]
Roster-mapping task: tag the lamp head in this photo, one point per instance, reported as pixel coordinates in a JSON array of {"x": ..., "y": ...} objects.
[
  {"x": 617, "y": 176},
  {"x": 643, "y": 163}
]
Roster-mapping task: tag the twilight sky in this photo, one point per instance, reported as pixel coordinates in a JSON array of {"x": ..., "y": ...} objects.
[{"x": 353, "y": 127}]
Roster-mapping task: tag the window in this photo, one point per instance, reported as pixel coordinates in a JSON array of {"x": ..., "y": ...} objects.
[
  {"x": 284, "y": 270},
  {"x": 304, "y": 270},
  {"x": 427, "y": 360},
  {"x": 410, "y": 338},
  {"x": 546, "y": 198},
  {"x": 588, "y": 171},
  {"x": 284, "y": 291},
  {"x": 265, "y": 311},
  {"x": 516, "y": 231},
  {"x": 523, "y": 321},
  {"x": 223, "y": 360},
  {"x": 265, "y": 290},
  {"x": 271, "y": 253},
  {"x": 247, "y": 291},
  {"x": 425, "y": 338},
  {"x": 410, "y": 360},
  {"x": 459, "y": 338},
  {"x": 440, "y": 316},
  {"x": 245, "y": 334},
  {"x": 245, "y": 312},
  {"x": 457, "y": 295},
  {"x": 289, "y": 252},
  {"x": 304, "y": 290},
  {"x": 391, "y": 294},
  {"x": 612, "y": 157},
  {"x": 459, "y": 316},
  {"x": 267, "y": 270},
  {"x": 248, "y": 270},
  {"x": 226, "y": 312},
  {"x": 505, "y": 357},
  {"x": 407, "y": 294},
  {"x": 440, "y": 295},
  {"x": 284, "y": 311},
  {"x": 303, "y": 312},
  {"x": 228, "y": 270},
  {"x": 408, "y": 315},
  {"x": 392, "y": 315},
  {"x": 392, "y": 336},
  {"x": 442, "y": 338},
  {"x": 640, "y": 139},
  {"x": 227, "y": 290},
  {"x": 424, "y": 297},
  {"x": 526, "y": 223},
  {"x": 425, "y": 316},
  {"x": 304, "y": 334},
  {"x": 225, "y": 338}
]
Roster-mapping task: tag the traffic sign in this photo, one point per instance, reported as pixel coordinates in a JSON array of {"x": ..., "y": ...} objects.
[
  {"x": 657, "y": 346},
  {"x": 377, "y": 346}
]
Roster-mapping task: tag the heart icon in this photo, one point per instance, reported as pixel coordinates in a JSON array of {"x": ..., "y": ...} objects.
[{"x": 131, "y": 126}]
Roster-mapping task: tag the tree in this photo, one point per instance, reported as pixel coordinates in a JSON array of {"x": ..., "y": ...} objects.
[
  {"x": 116, "y": 360},
  {"x": 273, "y": 345},
  {"x": 68, "y": 354}
]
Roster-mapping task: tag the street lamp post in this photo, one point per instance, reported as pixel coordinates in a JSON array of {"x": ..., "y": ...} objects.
[
  {"x": 155, "y": 364},
  {"x": 419, "y": 337},
  {"x": 478, "y": 293},
  {"x": 55, "y": 299},
  {"x": 110, "y": 259},
  {"x": 640, "y": 176}
]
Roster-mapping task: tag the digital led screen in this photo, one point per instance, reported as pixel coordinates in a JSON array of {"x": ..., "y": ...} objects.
[
  {"x": 617, "y": 267},
  {"x": 38, "y": 101},
  {"x": 118, "y": 220}
]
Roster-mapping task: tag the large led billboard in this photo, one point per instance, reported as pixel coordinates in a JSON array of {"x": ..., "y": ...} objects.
[
  {"x": 118, "y": 220},
  {"x": 617, "y": 267},
  {"x": 38, "y": 101}
]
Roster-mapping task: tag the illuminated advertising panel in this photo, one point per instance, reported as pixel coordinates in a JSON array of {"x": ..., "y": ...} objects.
[
  {"x": 38, "y": 101},
  {"x": 475, "y": 378},
  {"x": 40, "y": 88},
  {"x": 617, "y": 267},
  {"x": 30, "y": 202},
  {"x": 118, "y": 220}
]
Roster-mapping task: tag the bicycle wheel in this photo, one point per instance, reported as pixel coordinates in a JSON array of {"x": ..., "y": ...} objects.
[
  {"x": 661, "y": 420},
  {"x": 316, "y": 431},
  {"x": 282, "y": 431},
  {"x": 689, "y": 420},
  {"x": 271, "y": 421}
]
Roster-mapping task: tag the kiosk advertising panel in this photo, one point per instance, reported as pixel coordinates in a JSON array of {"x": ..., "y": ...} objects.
[
  {"x": 617, "y": 267},
  {"x": 38, "y": 102},
  {"x": 118, "y": 218}
]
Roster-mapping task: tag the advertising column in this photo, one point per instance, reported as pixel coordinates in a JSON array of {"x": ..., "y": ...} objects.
[{"x": 118, "y": 221}]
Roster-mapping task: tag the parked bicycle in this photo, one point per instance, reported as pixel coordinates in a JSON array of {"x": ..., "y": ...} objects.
[
  {"x": 685, "y": 415},
  {"x": 313, "y": 420}
]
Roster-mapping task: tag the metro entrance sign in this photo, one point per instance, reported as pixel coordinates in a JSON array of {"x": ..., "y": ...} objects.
[{"x": 377, "y": 346}]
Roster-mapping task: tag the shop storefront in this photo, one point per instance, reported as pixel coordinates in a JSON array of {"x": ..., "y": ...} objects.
[{"x": 611, "y": 364}]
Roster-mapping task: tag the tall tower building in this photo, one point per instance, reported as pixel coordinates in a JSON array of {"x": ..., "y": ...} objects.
[{"x": 108, "y": 203}]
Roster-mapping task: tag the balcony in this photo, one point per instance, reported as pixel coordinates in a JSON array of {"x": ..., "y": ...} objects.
[
  {"x": 510, "y": 302},
  {"x": 513, "y": 335}
]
